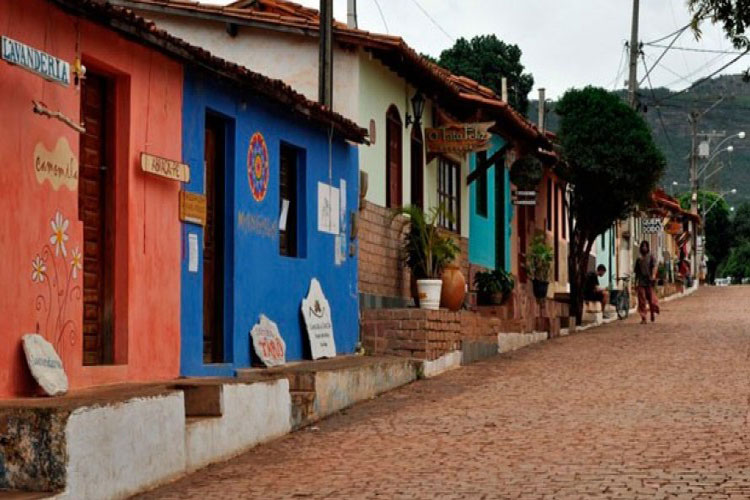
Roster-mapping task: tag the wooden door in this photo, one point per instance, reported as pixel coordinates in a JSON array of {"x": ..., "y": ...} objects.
[
  {"x": 394, "y": 150},
  {"x": 213, "y": 243},
  {"x": 95, "y": 210}
]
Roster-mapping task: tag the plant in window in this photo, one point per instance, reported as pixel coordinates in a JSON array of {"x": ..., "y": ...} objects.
[
  {"x": 538, "y": 264},
  {"x": 427, "y": 250},
  {"x": 494, "y": 287}
]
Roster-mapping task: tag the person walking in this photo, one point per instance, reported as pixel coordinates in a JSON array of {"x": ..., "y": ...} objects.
[{"x": 645, "y": 278}]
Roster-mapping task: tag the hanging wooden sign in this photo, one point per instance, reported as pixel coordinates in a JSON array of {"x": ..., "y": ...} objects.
[
  {"x": 674, "y": 227},
  {"x": 193, "y": 208},
  {"x": 163, "y": 167},
  {"x": 460, "y": 138}
]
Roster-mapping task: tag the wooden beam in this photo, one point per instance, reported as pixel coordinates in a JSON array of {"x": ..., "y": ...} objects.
[{"x": 483, "y": 166}]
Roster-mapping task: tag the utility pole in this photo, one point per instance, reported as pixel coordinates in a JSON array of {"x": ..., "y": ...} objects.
[
  {"x": 325, "y": 66},
  {"x": 634, "y": 53}
]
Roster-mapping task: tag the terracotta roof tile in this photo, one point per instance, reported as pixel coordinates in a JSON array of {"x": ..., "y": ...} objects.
[{"x": 145, "y": 32}]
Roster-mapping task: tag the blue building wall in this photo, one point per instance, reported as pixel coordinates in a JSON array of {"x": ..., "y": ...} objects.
[
  {"x": 257, "y": 278},
  {"x": 482, "y": 229}
]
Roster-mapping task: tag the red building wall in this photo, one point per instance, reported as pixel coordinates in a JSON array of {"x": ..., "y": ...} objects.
[{"x": 148, "y": 104}]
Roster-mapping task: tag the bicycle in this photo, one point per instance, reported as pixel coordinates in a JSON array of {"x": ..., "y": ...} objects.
[{"x": 621, "y": 298}]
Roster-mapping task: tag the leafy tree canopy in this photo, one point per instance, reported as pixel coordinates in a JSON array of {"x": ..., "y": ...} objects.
[
  {"x": 487, "y": 60},
  {"x": 732, "y": 15},
  {"x": 719, "y": 233},
  {"x": 741, "y": 223},
  {"x": 613, "y": 161},
  {"x": 738, "y": 264}
]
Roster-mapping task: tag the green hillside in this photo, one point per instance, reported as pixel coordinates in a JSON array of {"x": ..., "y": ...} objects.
[{"x": 673, "y": 136}]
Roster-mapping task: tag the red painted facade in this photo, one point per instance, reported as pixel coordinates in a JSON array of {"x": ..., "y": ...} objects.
[{"x": 41, "y": 229}]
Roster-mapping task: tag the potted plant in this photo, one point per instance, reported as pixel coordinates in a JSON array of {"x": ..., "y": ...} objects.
[
  {"x": 493, "y": 287},
  {"x": 538, "y": 264},
  {"x": 426, "y": 250}
]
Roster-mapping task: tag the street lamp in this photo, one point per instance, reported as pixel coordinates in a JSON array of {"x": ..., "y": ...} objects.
[
  {"x": 728, "y": 149},
  {"x": 721, "y": 197}
]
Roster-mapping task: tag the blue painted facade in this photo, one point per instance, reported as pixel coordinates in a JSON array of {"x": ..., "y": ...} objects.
[
  {"x": 482, "y": 229},
  {"x": 258, "y": 279}
]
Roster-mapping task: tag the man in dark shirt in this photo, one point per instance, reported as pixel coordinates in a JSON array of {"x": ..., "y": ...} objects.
[{"x": 592, "y": 292}]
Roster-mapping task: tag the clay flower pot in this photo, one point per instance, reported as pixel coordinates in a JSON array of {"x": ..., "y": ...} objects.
[
  {"x": 454, "y": 288},
  {"x": 429, "y": 293}
]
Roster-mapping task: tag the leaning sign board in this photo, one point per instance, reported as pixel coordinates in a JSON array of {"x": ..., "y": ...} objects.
[
  {"x": 459, "y": 138},
  {"x": 165, "y": 168},
  {"x": 45, "y": 365},
  {"x": 48, "y": 67},
  {"x": 317, "y": 314}
]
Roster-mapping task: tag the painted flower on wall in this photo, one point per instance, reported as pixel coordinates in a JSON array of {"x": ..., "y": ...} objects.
[
  {"x": 38, "y": 269},
  {"x": 59, "y": 236},
  {"x": 76, "y": 262},
  {"x": 51, "y": 267}
]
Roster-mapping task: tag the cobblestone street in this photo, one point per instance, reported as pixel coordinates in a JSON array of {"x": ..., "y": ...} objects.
[{"x": 622, "y": 411}]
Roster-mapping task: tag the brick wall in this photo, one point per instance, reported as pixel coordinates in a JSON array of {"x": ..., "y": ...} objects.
[
  {"x": 381, "y": 269},
  {"x": 423, "y": 334}
]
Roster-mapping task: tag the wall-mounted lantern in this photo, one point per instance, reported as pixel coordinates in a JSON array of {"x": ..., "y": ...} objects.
[{"x": 417, "y": 104}]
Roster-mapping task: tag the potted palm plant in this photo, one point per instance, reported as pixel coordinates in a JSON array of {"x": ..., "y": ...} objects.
[
  {"x": 426, "y": 250},
  {"x": 538, "y": 265},
  {"x": 493, "y": 287}
]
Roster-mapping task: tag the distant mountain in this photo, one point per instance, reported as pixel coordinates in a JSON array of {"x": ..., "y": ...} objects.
[{"x": 673, "y": 136}]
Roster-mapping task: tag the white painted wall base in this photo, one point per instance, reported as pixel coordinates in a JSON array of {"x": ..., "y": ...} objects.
[
  {"x": 118, "y": 450},
  {"x": 253, "y": 414},
  {"x": 339, "y": 389},
  {"x": 507, "y": 342},
  {"x": 444, "y": 363}
]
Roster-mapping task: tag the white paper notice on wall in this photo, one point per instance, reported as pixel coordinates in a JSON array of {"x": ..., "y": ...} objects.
[
  {"x": 328, "y": 208},
  {"x": 192, "y": 252},
  {"x": 340, "y": 249},
  {"x": 342, "y": 204},
  {"x": 284, "y": 214}
]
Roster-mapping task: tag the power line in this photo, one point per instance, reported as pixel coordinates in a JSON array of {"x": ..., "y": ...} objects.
[
  {"x": 661, "y": 56},
  {"x": 427, "y": 14},
  {"x": 691, "y": 49},
  {"x": 658, "y": 111},
  {"x": 620, "y": 66},
  {"x": 706, "y": 78},
  {"x": 377, "y": 4},
  {"x": 680, "y": 30}
]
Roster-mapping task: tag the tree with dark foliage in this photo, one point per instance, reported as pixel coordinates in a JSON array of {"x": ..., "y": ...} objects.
[
  {"x": 487, "y": 60},
  {"x": 613, "y": 164}
]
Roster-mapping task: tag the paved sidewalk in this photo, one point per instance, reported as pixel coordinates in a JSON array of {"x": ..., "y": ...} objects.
[{"x": 621, "y": 411}]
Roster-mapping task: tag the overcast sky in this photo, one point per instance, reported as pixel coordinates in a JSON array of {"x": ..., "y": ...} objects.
[{"x": 565, "y": 44}]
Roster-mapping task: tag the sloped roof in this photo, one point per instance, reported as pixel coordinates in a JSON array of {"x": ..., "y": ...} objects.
[
  {"x": 463, "y": 95},
  {"x": 662, "y": 200},
  {"x": 140, "y": 30}
]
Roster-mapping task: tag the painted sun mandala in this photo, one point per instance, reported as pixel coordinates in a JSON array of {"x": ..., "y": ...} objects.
[{"x": 258, "y": 170}]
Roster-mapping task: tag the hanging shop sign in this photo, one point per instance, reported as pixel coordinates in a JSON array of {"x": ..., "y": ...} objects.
[
  {"x": 269, "y": 346},
  {"x": 317, "y": 314},
  {"x": 459, "y": 138},
  {"x": 258, "y": 170},
  {"x": 193, "y": 208},
  {"x": 163, "y": 167},
  {"x": 652, "y": 226},
  {"x": 59, "y": 166},
  {"x": 48, "y": 67}
]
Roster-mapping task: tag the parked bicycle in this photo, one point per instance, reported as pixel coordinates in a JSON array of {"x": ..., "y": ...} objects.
[{"x": 621, "y": 298}]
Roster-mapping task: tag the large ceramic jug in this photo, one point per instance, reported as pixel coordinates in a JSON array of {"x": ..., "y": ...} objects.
[{"x": 454, "y": 288}]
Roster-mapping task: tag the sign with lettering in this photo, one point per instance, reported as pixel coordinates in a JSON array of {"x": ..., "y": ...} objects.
[
  {"x": 674, "y": 227},
  {"x": 652, "y": 226},
  {"x": 59, "y": 166},
  {"x": 165, "y": 168},
  {"x": 268, "y": 344},
  {"x": 45, "y": 365},
  {"x": 193, "y": 208},
  {"x": 48, "y": 67},
  {"x": 460, "y": 138},
  {"x": 317, "y": 314}
]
